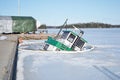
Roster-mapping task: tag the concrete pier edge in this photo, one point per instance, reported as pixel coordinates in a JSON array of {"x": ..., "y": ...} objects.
[{"x": 10, "y": 62}]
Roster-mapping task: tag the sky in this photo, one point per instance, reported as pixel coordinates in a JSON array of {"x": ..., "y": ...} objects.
[{"x": 55, "y": 12}]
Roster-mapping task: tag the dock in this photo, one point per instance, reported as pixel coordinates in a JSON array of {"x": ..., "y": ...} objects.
[
  {"x": 8, "y": 53},
  {"x": 8, "y": 49}
]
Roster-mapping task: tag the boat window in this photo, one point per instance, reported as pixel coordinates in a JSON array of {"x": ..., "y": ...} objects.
[
  {"x": 64, "y": 35},
  {"x": 71, "y": 38},
  {"x": 79, "y": 43},
  {"x": 46, "y": 46}
]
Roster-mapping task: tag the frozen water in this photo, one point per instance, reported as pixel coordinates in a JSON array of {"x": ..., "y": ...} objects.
[{"x": 103, "y": 63}]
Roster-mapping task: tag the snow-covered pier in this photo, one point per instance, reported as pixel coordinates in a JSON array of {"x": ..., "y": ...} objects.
[{"x": 8, "y": 48}]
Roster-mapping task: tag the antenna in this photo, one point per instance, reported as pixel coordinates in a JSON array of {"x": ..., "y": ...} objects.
[
  {"x": 80, "y": 33},
  {"x": 75, "y": 27}
]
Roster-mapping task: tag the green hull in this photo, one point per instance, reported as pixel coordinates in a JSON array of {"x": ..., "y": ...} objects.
[{"x": 58, "y": 44}]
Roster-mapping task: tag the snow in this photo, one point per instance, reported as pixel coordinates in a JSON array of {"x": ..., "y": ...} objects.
[
  {"x": 35, "y": 65},
  {"x": 3, "y": 37},
  {"x": 102, "y": 63}
]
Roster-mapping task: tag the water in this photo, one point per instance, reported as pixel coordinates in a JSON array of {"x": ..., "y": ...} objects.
[{"x": 103, "y": 63}]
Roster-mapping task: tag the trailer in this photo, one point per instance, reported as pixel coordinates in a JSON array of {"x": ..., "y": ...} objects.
[{"x": 17, "y": 24}]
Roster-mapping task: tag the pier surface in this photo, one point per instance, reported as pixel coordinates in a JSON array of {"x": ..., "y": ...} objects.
[{"x": 7, "y": 54}]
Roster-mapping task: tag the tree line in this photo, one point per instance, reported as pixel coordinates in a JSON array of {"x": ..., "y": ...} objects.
[{"x": 83, "y": 25}]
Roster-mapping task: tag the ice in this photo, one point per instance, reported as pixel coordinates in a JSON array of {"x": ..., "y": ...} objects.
[
  {"x": 3, "y": 37},
  {"x": 102, "y": 63}
]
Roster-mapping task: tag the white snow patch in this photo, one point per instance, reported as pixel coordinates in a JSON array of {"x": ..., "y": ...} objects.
[
  {"x": 3, "y": 37},
  {"x": 82, "y": 61},
  {"x": 20, "y": 64}
]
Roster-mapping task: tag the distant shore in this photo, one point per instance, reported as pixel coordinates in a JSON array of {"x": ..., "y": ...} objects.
[{"x": 83, "y": 25}]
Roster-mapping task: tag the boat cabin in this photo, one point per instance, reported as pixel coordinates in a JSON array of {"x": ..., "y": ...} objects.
[
  {"x": 72, "y": 40},
  {"x": 69, "y": 41}
]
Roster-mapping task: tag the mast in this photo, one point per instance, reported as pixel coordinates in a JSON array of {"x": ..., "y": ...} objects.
[
  {"x": 18, "y": 7},
  {"x": 65, "y": 23}
]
